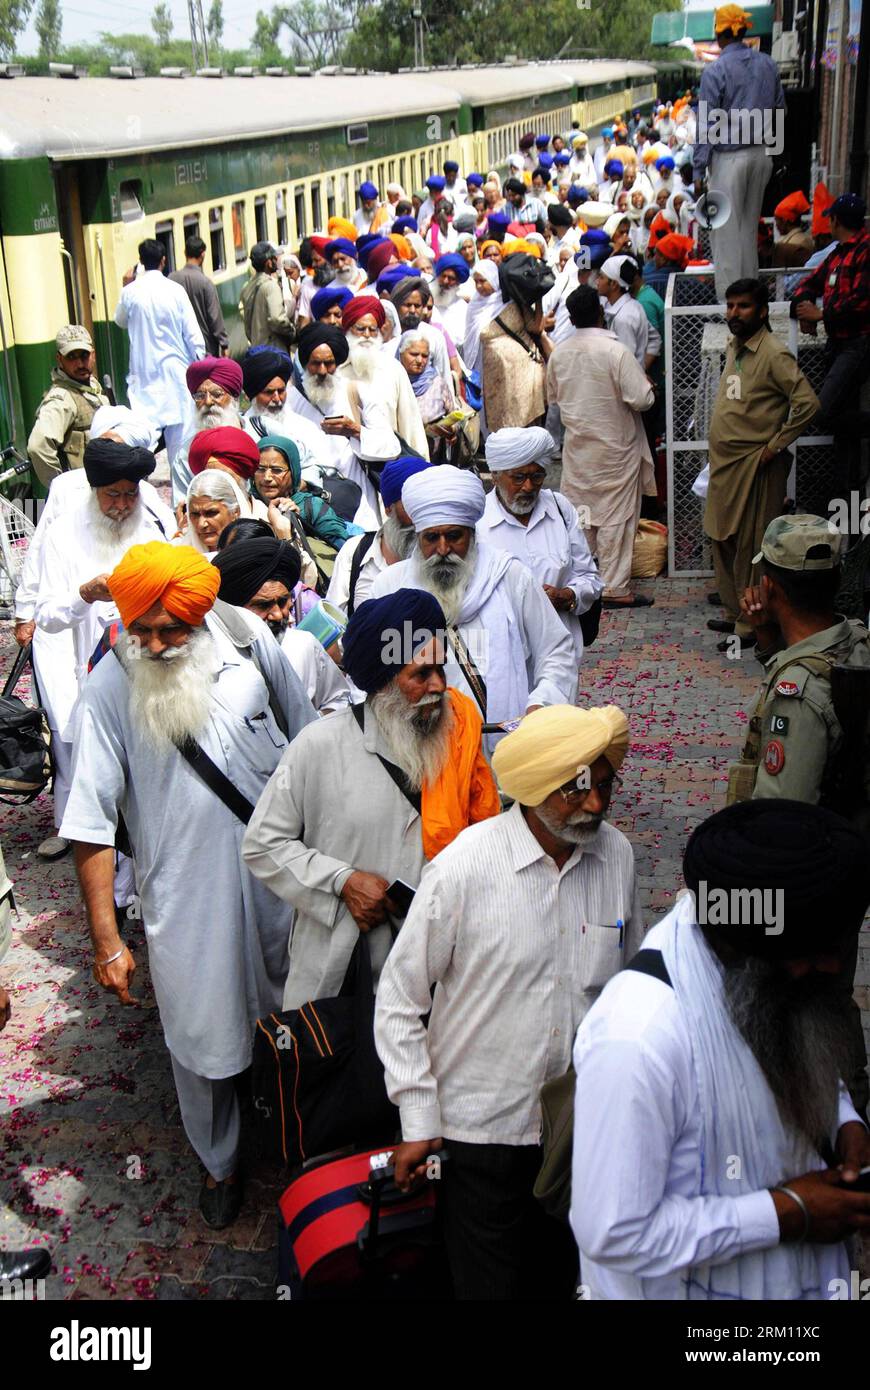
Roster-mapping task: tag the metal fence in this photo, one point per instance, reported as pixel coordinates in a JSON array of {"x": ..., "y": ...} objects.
[{"x": 696, "y": 340}]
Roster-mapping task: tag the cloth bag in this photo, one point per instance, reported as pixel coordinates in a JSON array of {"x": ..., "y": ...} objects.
[
  {"x": 650, "y": 555},
  {"x": 25, "y": 759}
]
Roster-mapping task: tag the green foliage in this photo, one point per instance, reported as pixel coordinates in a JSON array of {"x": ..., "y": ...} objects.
[
  {"x": 49, "y": 23},
  {"x": 161, "y": 23},
  {"x": 214, "y": 25},
  {"x": 14, "y": 15}
]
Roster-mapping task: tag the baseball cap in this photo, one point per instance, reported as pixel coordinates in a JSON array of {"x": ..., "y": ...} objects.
[
  {"x": 800, "y": 542},
  {"x": 849, "y": 208},
  {"x": 73, "y": 338},
  {"x": 261, "y": 252}
]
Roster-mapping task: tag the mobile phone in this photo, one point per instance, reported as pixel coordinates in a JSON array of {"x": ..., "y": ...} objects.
[
  {"x": 328, "y": 419},
  {"x": 401, "y": 895},
  {"x": 863, "y": 1182}
]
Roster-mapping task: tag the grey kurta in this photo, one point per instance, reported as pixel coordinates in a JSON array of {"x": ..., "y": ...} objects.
[
  {"x": 217, "y": 938},
  {"x": 329, "y": 809}
]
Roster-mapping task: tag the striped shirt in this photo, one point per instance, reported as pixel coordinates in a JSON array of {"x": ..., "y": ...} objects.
[{"x": 518, "y": 950}]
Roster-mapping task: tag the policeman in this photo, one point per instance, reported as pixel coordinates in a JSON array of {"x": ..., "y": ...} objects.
[{"x": 63, "y": 421}]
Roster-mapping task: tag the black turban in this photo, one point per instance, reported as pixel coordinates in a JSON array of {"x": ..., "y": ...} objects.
[
  {"x": 559, "y": 216},
  {"x": 246, "y": 566},
  {"x": 814, "y": 862},
  {"x": 260, "y": 365},
  {"x": 407, "y": 287},
  {"x": 106, "y": 462},
  {"x": 322, "y": 335}
]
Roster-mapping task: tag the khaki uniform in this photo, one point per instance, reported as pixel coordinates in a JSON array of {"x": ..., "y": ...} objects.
[
  {"x": 264, "y": 314},
  {"x": 795, "y": 248},
  {"x": 63, "y": 421}
]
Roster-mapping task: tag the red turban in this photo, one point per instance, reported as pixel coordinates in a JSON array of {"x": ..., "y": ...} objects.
[
  {"x": 320, "y": 243},
  {"x": 223, "y": 371},
  {"x": 175, "y": 575},
  {"x": 792, "y": 208},
  {"x": 361, "y": 305},
  {"x": 232, "y": 446},
  {"x": 659, "y": 227},
  {"x": 822, "y": 200},
  {"x": 675, "y": 248},
  {"x": 379, "y": 258}
]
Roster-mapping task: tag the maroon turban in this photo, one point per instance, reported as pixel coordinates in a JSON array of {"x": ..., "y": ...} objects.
[
  {"x": 232, "y": 446},
  {"x": 223, "y": 371},
  {"x": 361, "y": 305},
  {"x": 379, "y": 258}
]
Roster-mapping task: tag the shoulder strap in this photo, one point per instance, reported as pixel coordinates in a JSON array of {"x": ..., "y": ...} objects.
[
  {"x": 356, "y": 565},
  {"x": 558, "y": 499},
  {"x": 475, "y": 680},
  {"x": 650, "y": 962},
  {"x": 156, "y": 519},
  {"x": 274, "y": 703},
  {"x": 516, "y": 337},
  {"x": 216, "y": 780},
  {"x": 396, "y": 773},
  {"x": 257, "y": 426}
]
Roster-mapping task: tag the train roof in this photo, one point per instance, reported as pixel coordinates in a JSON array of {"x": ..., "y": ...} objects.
[{"x": 94, "y": 117}]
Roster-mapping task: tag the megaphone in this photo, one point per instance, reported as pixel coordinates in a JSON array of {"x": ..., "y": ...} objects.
[{"x": 712, "y": 210}]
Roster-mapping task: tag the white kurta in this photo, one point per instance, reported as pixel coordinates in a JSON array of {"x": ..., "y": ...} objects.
[
  {"x": 626, "y": 318},
  {"x": 321, "y": 679},
  {"x": 389, "y": 409},
  {"x": 338, "y": 592},
  {"x": 337, "y": 449},
  {"x": 164, "y": 339},
  {"x": 217, "y": 939},
  {"x": 553, "y": 548}
]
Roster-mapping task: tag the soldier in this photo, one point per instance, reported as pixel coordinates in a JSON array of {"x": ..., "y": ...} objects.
[
  {"x": 63, "y": 421},
  {"x": 262, "y": 303},
  {"x": 808, "y": 736}
]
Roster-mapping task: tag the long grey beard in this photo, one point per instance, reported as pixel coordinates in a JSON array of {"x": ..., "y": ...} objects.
[
  {"x": 579, "y": 829},
  {"x": 363, "y": 358},
  {"x": 112, "y": 539},
  {"x": 447, "y": 577},
  {"x": 215, "y": 417},
  {"x": 349, "y": 276},
  {"x": 321, "y": 394},
  {"x": 418, "y": 746},
  {"x": 399, "y": 538},
  {"x": 441, "y": 298},
  {"x": 170, "y": 696},
  {"x": 800, "y": 1033}
]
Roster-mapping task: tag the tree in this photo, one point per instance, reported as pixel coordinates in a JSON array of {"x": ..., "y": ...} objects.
[
  {"x": 265, "y": 40},
  {"x": 14, "y": 15},
  {"x": 49, "y": 22},
  {"x": 161, "y": 23},
  {"x": 214, "y": 24}
]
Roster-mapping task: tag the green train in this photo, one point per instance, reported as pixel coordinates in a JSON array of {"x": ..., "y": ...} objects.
[{"x": 91, "y": 166}]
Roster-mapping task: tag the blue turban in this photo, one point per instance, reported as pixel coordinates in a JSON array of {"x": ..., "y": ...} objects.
[
  {"x": 389, "y": 278},
  {"x": 384, "y": 634},
  {"x": 542, "y": 141},
  {"x": 562, "y": 157},
  {"x": 608, "y": 132},
  {"x": 405, "y": 224},
  {"x": 365, "y": 251},
  {"x": 577, "y": 195},
  {"x": 394, "y": 474},
  {"x": 453, "y": 261},
  {"x": 329, "y": 295},
  {"x": 368, "y": 191},
  {"x": 347, "y": 248},
  {"x": 367, "y": 239},
  {"x": 435, "y": 183},
  {"x": 596, "y": 236},
  {"x": 498, "y": 219},
  {"x": 546, "y": 160},
  {"x": 615, "y": 168},
  {"x": 475, "y": 180},
  {"x": 666, "y": 162},
  {"x": 592, "y": 257},
  {"x": 450, "y": 166}
]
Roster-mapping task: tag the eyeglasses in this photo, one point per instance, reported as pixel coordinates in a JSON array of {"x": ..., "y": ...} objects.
[
  {"x": 578, "y": 790},
  {"x": 274, "y": 469},
  {"x": 536, "y": 479},
  {"x": 202, "y": 396}
]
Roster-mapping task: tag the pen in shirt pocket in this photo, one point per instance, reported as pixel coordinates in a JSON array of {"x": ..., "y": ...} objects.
[{"x": 620, "y": 926}]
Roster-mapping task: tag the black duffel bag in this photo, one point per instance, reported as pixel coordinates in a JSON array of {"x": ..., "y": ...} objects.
[
  {"x": 25, "y": 761},
  {"x": 318, "y": 1084}
]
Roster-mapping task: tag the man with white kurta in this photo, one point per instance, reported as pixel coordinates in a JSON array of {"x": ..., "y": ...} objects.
[
  {"x": 362, "y": 558},
  {"x": 378, "y": 390},
  {"x": 215, "y": 387},
  {"x": 715, "y": 1146},
  {"x": 164, "y": 339},
  {"x": 188, "y": 682},
  {"x": 606, "y": 461},
  {"x": 507, "y": 646},
  {"x": 538, "y": 526},
  {"x": 410, "y": 776}
]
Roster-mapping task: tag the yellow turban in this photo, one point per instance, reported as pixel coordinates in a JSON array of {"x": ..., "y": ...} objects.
[
  {"x": 402, "y": 245},
  {"x": 552, "y": 746},
  {"x": 341, "y": 227},
  {"x": 731, "y": 17},
  {"x": 175, "y": 575},
  {"x": 520, "y": 244},
  {"x": 623, "y": 152}
]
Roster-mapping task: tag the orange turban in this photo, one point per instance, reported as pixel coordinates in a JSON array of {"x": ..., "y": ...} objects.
[
  {"x": 732, "y": 17},
  {"x": 675, "y": 248},
  {"x": 530, "y": 248},
  {"x": 175, "y": 575},
  {"x": 341, "y": 226},
  {"x": 659, "y": 227},
  {"x": 822, "y": 200},
  {"x": 650, "y": 154},
  {"x": 792, "y": 208},
  {"x": 402, "y": 245},
  {"x": 485, "y": 244}
]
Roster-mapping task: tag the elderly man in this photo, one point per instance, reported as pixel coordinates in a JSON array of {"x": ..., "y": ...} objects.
[
  {"x": 370, "y": 215},
  {"x": 412, "y": 776},
  {"x": 261, "y": 307},
  {"x": 215, "y": 385},
  {"x": 518, "y": 924},
  {"x": 378, "y": 390},
  {"x": 342, "y": 254},
  {"x": 715, "y": 1149},
  {"x": 64, "y": 415},
  {"x": 507, "y": 646},
  {"x": 259, "y": 576},
  {"x": 266, "y": 374},
  {"x": 362, "y": 558},
  {"x": 606, "y": 461},
  {"x": 451, "y": 271},
  {"x": 538, "y": 526},
  {"x": 623, "y": 315},
  {"x": 178, "y": 733}
]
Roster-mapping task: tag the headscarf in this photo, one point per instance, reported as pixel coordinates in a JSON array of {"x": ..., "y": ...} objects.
[
  {"x": 443, "y": 496},
  {"x": 133, "y": 427},
  {"x": 453, "y": 261},
  {"x": 361, "y": 305},
  {"x": 421, "y": 382},
  {"x": 341, "y": 227},
  {"x": 484, "y": 247},
  {"x": 731, "y": 17},
  {"x": 370, "y": 657},
  {"x": 521, "y": 246},
  {"x": 315, "y": 335},
  {"x": 232, "y": 446},
  {"x": 261, "y": 365},
  {"x": 290, "y": 452},
  {"x": 223, "y": 371},
  {"x": 515, "y": 448},
  {"x": 174, "y": 575},
  {"x": 379, "y": 258},
  {"x": 613, "y": 222},
  {"x": 329, "y": 295},
  {"x": 792, "y": 208},
  {"x": 396, "y": 473},
  {"x": 553, "y": 745},
  {"x": 482, "y": 309},
  {"x": 106, "y": 462},
  {"x": 247, "y": 565}
]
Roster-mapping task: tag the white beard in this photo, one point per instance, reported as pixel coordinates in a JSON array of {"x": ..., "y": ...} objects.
[
  {"x": 170, "y": 696},
  {"x": 522, "y": 504},
  {"x": 216, "y": 417},
  {"x": 399, "y": 538},
  {"x": 446, "y": 578},
  {"x": 320, "y": 393},
  {"x": 363, "y": 357},
  {"x": 272, "y": 407},
  {"x": 348, "y": 276},
  {"x": 580, "y": 829},
  {"x": 443, "y": 298},
  {"x": 419, "y": 750},
  {"x": 112, "y": 539}
]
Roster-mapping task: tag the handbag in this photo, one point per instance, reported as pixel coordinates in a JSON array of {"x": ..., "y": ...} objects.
[
  {"x": 25, "y": 757},
  {"x": 318, "y": 1083}
]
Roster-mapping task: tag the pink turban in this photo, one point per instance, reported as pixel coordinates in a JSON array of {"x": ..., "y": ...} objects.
[{"x": 223, "y": 371}]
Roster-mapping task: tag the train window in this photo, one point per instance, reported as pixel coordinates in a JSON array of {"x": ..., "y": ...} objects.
[
  {"x": 381, "y": 179},
  {"x": 239, "y": 244},
  {"x": 402, "y": 168},
  {"x": 261, "y": 218},
  {"x": 131, "y": 200},
  {"x": 330, "y": 198},
  {"x": 346, "y": 206},
  {"x": 216, "y": 236},
  {"x": 281, "y": 215},
  {"x": 299, "y": 213},
  {"x": 391, "y": 171},
  {"x": 453, "y": 130},
  {"x": 357, "y": 134},
  {"x": 422, "y": 170},
  {"x": 191, "y": 226},
  {"x": 316, "y": 211},
  {"x": 164, "y": 232}
]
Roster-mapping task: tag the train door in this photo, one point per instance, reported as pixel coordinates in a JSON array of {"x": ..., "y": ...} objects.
[{"x": 72, "y": 242}]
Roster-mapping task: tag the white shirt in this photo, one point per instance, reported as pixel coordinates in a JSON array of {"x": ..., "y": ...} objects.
[
  {"x": 338, "y": 592},
  {"x": 321, "y": 679},
  {"x": 164, "y": 339},
  {"x": 626, "y": 318},
  {"x": 519, "y": 950},
  {"x": 338, "y": 451},
  {"x": 582, "y": 169}
]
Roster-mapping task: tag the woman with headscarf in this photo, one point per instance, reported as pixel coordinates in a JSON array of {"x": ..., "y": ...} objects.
[
  {"x": 434, "y": 396},
  {"x": 515, "y": 347},
  {"x": 278, "y": 480},
  {"x": 213, "y": 502},
  {"x": 486, "y": 302}
]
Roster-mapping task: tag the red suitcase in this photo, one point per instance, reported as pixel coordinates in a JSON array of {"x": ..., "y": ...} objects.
[{"x": 347, "y": 1232}]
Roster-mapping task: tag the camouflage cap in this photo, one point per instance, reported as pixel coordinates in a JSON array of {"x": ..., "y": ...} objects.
[
  {"x": 73, "y": 338},
  {"x": 800, "y": 542}
]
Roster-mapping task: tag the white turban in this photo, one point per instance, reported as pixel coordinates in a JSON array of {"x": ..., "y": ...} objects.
[
  {"x": 614, "y": 266},
  {"x": 443, "y": 496},
  {"x": 514, "y": 448},
  {"x": 134, "y": 428},
  {"x": 612, "y": 222},
  {"x": 595, "y": 214}
]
